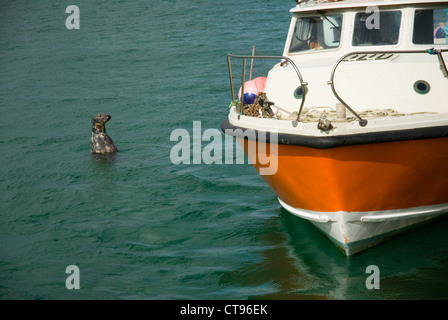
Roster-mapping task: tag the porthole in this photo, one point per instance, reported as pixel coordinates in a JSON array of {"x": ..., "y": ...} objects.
[
  {"x": 421, "y": 87},
  {"x": 298, "y": 92}
]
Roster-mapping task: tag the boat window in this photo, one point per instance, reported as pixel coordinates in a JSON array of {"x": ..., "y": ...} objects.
[
  {"x": 383, "y": 31},
  {"x": 430, "y": 26},
  {"x": 316, "y": 33}
]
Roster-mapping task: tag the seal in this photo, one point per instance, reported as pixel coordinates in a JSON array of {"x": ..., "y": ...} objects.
[{"x": 100, "y": 142}]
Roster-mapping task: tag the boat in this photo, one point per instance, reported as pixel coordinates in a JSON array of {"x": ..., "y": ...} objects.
[{"x": 352, "y": 129}]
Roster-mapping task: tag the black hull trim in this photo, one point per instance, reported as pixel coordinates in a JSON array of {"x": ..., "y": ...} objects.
[{"x": 337, "y": 141}]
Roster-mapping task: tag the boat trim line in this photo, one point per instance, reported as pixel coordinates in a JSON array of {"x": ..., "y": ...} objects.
[
  {"x": 387, "y": 215},
  {"x": 402, "y": 215},
  {"x": 302, "y": 214},
  {"x": 327, "y": 142}
]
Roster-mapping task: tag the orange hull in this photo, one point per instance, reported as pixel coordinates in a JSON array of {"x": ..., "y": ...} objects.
[{"x": 360, "y": 178}]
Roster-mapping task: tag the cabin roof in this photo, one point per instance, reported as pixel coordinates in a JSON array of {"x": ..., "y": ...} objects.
[{"x": 338, "y": 4}]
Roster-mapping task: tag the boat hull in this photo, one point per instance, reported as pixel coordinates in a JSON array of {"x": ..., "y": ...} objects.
[
  {"x": 358, "y": 195},
  {"x": 353, "y": 232}
]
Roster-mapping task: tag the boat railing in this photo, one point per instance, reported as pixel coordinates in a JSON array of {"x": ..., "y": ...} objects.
[
  {"x": 351, "y": 56},
  {"x": 379, "y": 55},
  {"x": 303, "y": 84}
]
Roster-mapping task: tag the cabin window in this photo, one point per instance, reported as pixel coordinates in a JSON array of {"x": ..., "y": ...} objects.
[
  {"x": 316, "y": 33},
  {"x": 384, "y": 31},
  {"x": 430, "y": 26}
]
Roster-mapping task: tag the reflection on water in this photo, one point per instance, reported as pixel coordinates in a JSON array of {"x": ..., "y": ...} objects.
[
  {"x": 279, "y": 269},
  {"x": 301, "y": 263}
]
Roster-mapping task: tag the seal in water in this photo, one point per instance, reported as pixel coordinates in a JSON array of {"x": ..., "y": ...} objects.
[{"x": 100, "y": 142}]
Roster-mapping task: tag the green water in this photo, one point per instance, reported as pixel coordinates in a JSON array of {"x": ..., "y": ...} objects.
[{"x": 136, "y": 225}]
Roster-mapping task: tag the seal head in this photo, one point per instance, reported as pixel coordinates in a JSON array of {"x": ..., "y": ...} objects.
[{"x": 100, "y": 142}]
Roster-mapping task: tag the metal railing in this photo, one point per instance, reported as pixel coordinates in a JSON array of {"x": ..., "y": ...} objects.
[
  {"x": 303, "y": 84},
  {"x": 379, "y": 55},
  {"x": 359, "y": 55}
]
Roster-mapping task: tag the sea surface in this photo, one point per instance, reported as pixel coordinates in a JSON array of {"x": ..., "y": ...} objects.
[{"x": 136, "y": 225}]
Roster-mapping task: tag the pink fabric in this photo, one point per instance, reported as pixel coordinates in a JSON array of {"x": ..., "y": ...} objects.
[{"x": 253, "y": 86}]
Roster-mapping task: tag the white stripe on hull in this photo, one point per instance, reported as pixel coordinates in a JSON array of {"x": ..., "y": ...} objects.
[{"x": 356, "y": 231}]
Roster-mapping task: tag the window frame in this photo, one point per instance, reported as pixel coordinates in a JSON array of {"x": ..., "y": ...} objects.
[
  {"x": 400, "y": 33},
  {"x": 309, "y": 15},
  {"x": 412, "y": 26}
]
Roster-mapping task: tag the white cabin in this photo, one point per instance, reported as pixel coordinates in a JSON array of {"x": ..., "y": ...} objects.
[{"x": 390, "y": 68}]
